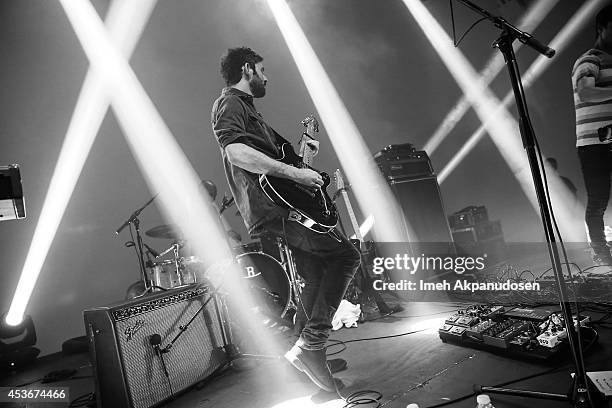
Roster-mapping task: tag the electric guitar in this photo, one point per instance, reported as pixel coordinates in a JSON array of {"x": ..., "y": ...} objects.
[
  {"x": 311, "y": 207},
  {"x": 361, "y": 287}
]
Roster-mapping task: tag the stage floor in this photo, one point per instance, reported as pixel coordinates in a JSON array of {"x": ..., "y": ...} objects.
[
  {"x": 404, "y": 368},
  {"x": 416, "y": 367}
]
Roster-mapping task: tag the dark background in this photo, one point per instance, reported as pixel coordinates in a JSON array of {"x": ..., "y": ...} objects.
[{"x": 392, "y": 81}]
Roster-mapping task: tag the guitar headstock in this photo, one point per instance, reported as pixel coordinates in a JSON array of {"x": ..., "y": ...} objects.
[
  {"x": 339, "y": 179},
  {"x": 311, "y": 124}
]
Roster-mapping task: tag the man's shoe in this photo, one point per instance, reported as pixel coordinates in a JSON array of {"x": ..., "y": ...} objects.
[
  {"x": 336, "y": 365},
  {"x": 601, "y": 254},
  {"x": 602, "y": 259},
  {"x": 314, "y": 365},
  {"x": 385, "y": 309}
]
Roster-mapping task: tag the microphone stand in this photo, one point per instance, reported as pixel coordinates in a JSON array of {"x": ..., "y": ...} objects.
[
  {"x": 133, "y": 220},
  {"x": 230, "y": 349},
  {"x": 580, "y": 395}
]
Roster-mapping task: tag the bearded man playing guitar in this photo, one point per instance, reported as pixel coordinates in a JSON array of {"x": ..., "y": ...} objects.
[{"x": 251, "y": 149}]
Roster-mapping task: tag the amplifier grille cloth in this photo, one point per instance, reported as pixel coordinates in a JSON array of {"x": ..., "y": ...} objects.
[{"x": 194, "y": 356}]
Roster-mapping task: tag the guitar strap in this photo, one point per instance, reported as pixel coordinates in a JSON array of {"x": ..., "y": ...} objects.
[{"x": 295, "y": 216}]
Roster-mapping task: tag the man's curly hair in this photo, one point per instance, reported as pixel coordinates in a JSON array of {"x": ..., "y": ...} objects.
[{"x": 233, "y": 60}]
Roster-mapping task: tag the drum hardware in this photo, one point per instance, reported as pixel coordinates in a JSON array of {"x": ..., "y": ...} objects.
[
  {"x": 151, "y": 251},
  {"x": 269, "y": 283},
  {"x": 175, "y": 252},
  {"x": 190, "y": 267},
  {"x": 274, "y": 283},
  {"x": 172, "y": 248},
  {"x": 254, "y": 246},
  {"x": 296, "y": 283},
  {"x": 174, "y": 273},
  {"x": 163, "y": 276}
]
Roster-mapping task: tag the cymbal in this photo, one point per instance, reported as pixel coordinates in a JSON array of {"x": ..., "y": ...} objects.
[{"x": 167, "y": 231}]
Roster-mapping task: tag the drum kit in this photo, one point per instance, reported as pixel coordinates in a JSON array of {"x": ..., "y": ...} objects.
[
  {"x": 271, "y": 277},
  {"x": 273, "y": 281},
  {"x": 175, "y": 271}
]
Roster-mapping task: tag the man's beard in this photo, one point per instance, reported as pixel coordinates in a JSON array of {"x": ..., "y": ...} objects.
[{"x": 257, "y": 86}]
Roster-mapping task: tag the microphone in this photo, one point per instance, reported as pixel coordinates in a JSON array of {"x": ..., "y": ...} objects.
[
  {"x": 152, "y": 252},
  {"x": 125, "y": 224},
  {"x": 155, "y": 341}
]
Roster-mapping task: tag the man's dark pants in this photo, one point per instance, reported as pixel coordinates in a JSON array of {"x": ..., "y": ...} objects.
[
  {"x": 596, "y": 163},
  {"x": 327, "y": 266}
]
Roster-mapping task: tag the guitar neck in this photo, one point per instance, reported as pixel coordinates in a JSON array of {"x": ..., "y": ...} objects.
[
  {"x": 352, "y": 217},
  {"x": 306, "y": 151}
]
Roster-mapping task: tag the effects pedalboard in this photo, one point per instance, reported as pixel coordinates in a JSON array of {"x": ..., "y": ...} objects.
[{"x": 518, "y": 332}]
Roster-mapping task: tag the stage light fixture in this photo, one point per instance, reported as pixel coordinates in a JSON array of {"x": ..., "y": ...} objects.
[
  {"x": 372, "y": 192},
  {"x": 125, "y": 22},
  {"x": 503, "y": 129},
  {"x": 161, "y": 160},
  {"x": 16, "y": 344},
  {"x": 529, "y": 22}
]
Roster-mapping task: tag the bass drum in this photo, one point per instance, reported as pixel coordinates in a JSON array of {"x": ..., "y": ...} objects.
[{"x": 268, "y": 283}]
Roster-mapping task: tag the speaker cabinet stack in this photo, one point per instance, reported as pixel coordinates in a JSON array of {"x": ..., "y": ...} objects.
[
  {"x": 410, "y": 175},
  {"x": 128, "y": 370}
]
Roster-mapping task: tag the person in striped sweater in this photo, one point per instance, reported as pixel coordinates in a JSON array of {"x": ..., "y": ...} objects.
[{"x": 592, "y": 84}]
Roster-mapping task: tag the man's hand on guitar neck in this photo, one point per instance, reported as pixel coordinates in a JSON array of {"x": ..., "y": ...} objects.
[{"x": 255, "y": 161}]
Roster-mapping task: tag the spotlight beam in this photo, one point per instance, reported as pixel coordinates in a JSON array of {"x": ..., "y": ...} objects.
[
  {"x": 162, "y": 162},
  {"x": 530, "y": 21},
  {"x": 561, "y": 40},
  {"x": 371, "y": 190},
  {"x": 481, "y": 98},
  {"x": 503, "y": 129},
  {"x": 125, "y": 22},
  {"x": 147, "y": 135}
]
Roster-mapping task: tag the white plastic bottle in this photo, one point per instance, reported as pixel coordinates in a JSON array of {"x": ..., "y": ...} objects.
[
  {"x": 484, "y": 401},
  {"x": 412, "y": 406}
]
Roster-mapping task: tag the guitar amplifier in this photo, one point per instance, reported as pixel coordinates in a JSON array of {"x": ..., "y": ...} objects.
[
  {"x": 484, "y": 231},
  {"x": 468, "y": 217},
  {"x": 401, "y": 162},
  {"x": 127, "y": 370}
]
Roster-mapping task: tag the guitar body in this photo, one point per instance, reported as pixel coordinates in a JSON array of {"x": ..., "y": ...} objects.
[{"x": 313, "y": 208}]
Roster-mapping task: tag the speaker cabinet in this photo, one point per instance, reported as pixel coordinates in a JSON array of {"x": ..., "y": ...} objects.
[
  {"x": 424, "y": 213},
  {"x": 128, "y": 371}
]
